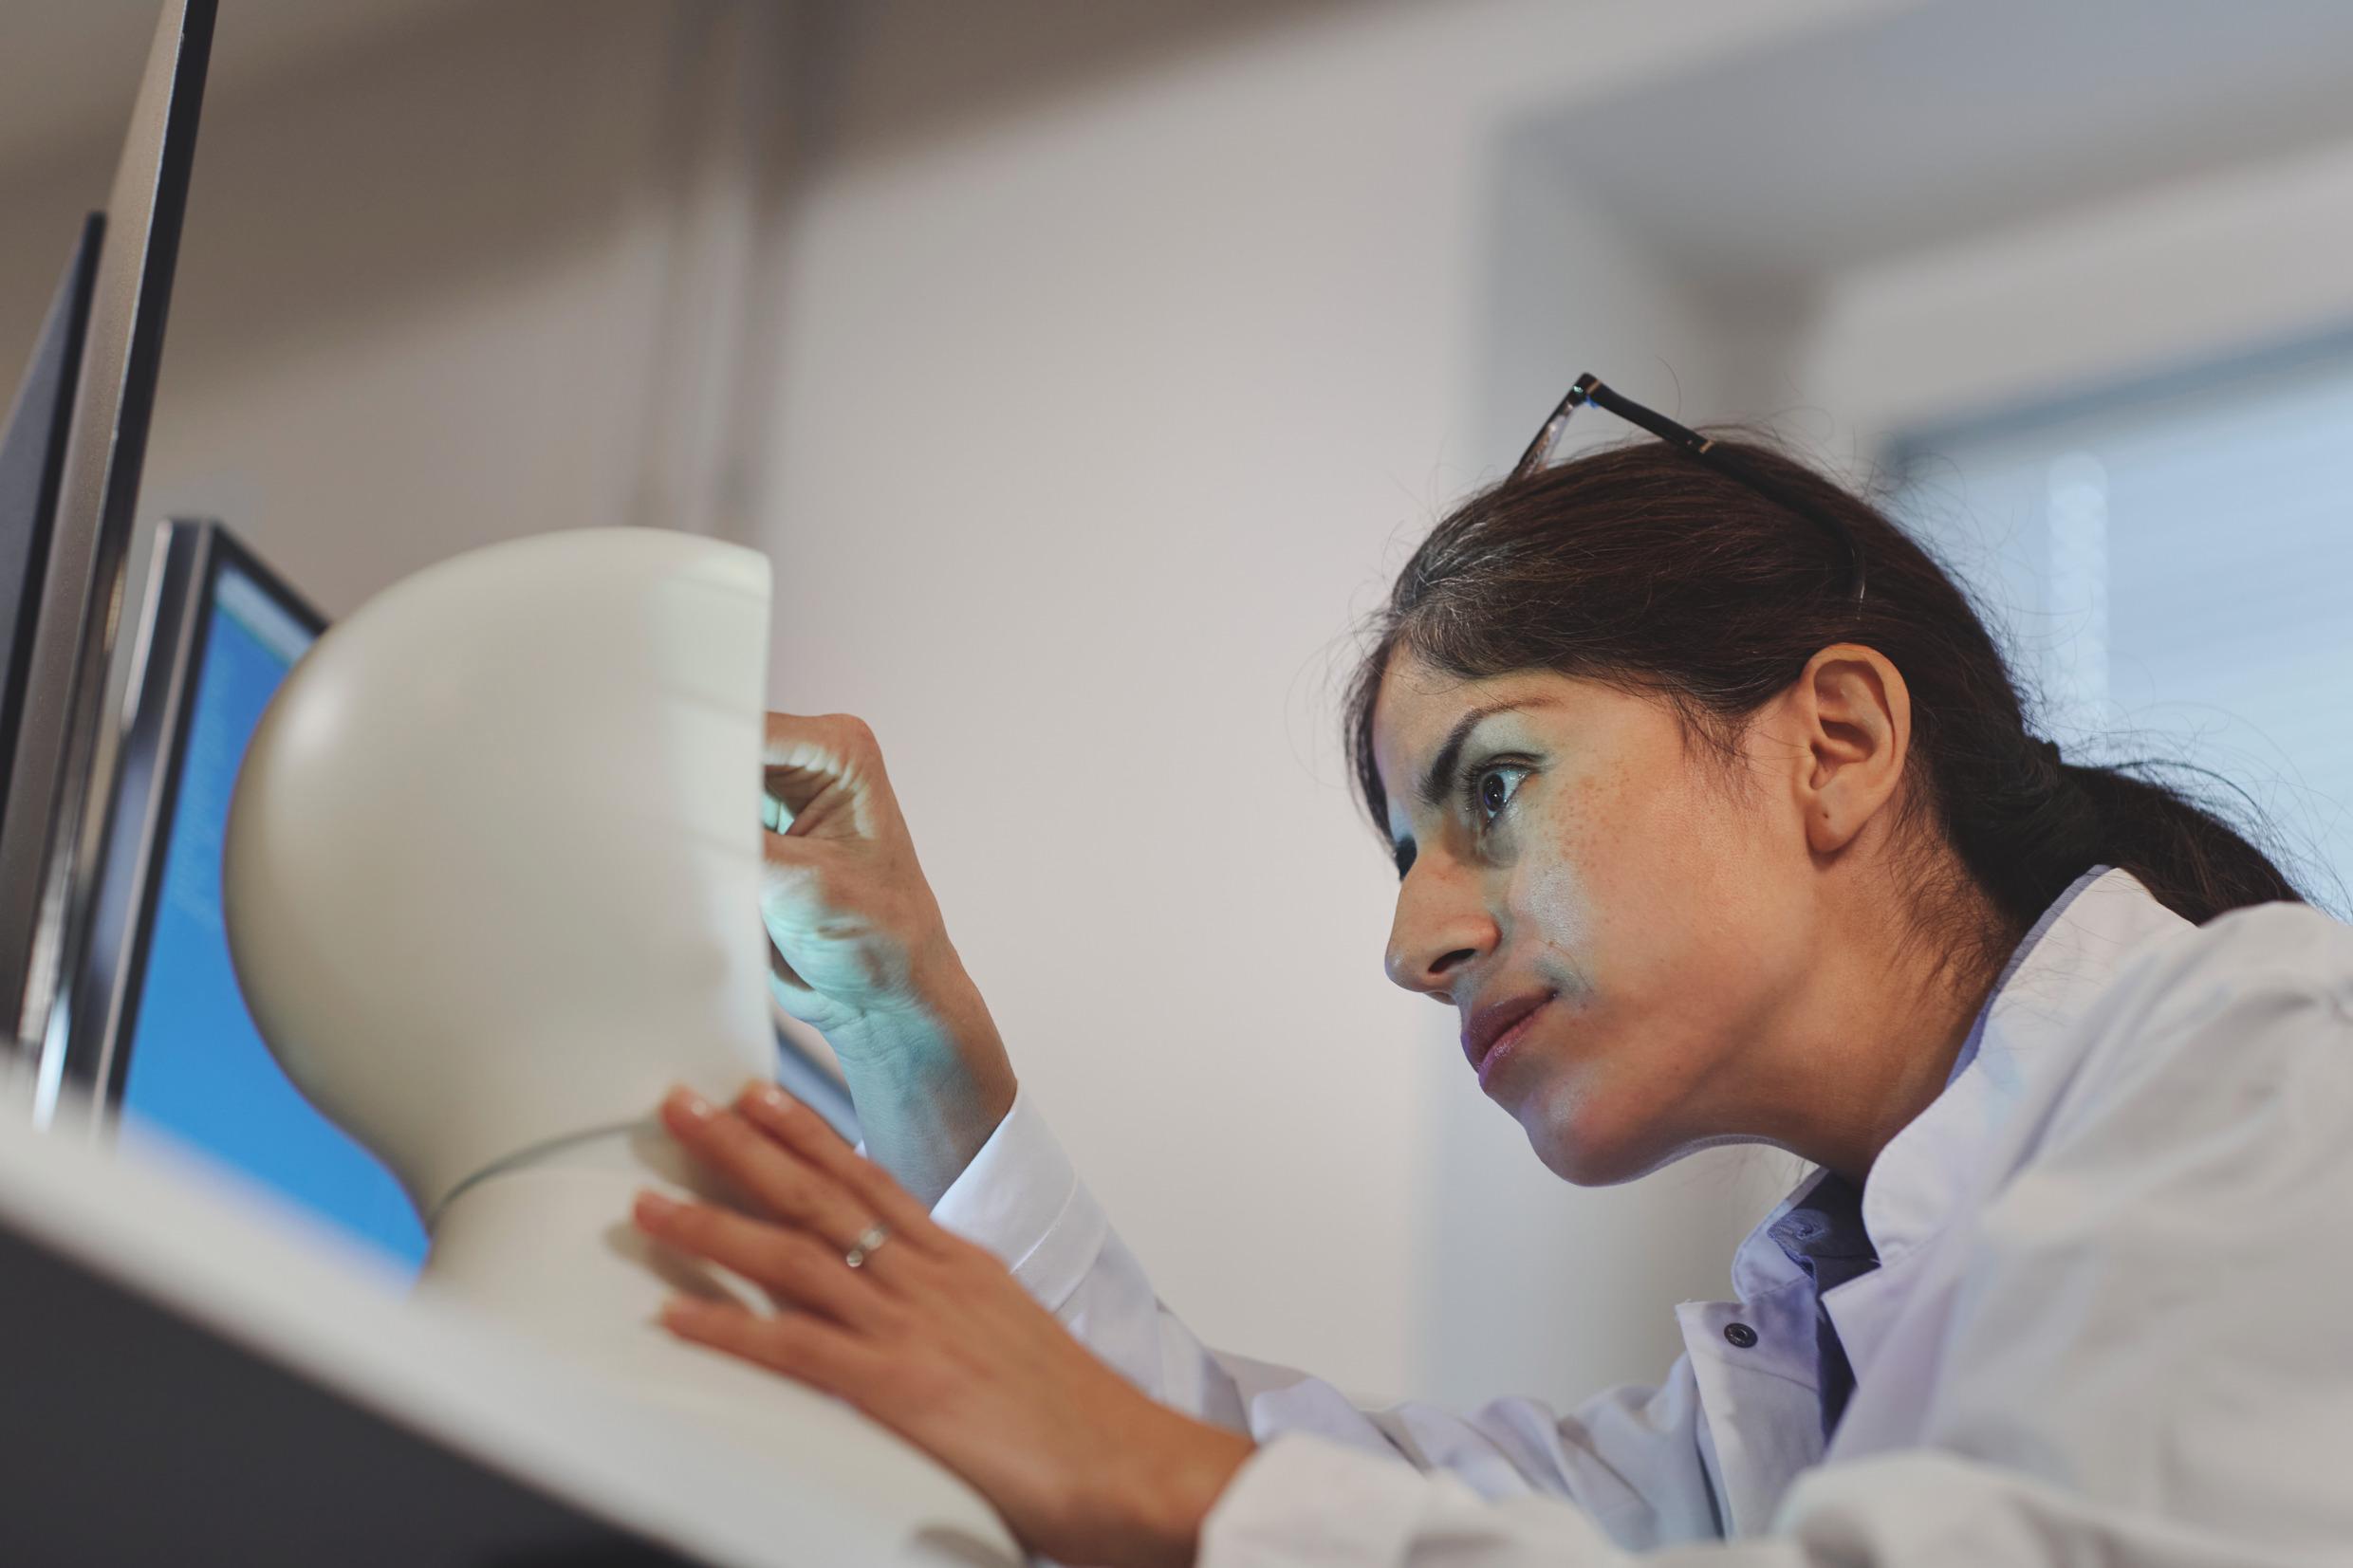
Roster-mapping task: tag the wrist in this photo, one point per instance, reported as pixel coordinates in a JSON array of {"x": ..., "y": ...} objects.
[
  {"x": 931, "y": 1081},
  {"x": 1172, "y": 1488},
  {"x": 941, "y": 1043}
]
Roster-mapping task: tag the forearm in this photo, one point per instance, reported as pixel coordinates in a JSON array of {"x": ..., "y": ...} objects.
[{"x": 931, "y": 1084}]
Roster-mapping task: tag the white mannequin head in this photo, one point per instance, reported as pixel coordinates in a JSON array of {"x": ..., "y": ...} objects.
[{"x": 492, "y": 874}]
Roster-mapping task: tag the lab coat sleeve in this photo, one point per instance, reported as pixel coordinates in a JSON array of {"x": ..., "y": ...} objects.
[
  {"x": 2149, "y": 1364},
  {"x": 1631, "y": 1460}
]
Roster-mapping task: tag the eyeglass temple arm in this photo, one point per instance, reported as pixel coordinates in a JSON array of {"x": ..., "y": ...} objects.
[
  {"x": 1589, "y": 390},
  {"x": 1633, "y": 413}
]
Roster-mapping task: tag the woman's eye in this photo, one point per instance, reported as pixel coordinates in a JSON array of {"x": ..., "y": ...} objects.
[{"x": 1491, "y": 789}]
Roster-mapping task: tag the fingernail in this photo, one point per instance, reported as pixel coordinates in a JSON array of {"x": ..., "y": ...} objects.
[
  {"x": 686, "y": 1103},
  {"x": 653, "y": 1207},
  {"x": 771, "y": 1097},
  {"x": 678, "y": 1312}
]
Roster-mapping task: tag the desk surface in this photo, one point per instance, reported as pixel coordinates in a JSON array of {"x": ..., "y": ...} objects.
[{"x": 192, "y": 1378}]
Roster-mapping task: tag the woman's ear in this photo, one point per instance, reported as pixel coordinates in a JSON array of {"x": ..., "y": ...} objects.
[{"x": 1853, "y": 717}]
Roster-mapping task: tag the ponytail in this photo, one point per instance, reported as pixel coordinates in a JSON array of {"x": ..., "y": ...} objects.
[{"x": 2185, "y": 855}]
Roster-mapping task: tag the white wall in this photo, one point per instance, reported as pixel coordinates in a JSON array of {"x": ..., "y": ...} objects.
[
  {"x": 2192, "y": 270},
  {"x": 1103, "y": 415},
  {"x": 422, "y": 289}
]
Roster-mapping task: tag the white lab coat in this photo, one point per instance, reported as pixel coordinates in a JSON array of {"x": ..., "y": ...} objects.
[{"x": 2112, "y": 1324}]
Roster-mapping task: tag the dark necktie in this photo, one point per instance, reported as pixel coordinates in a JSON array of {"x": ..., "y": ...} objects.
[{"x": 1823, "y": 1235}]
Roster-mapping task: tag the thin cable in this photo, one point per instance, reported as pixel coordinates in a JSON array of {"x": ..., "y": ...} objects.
[{"x": 533, "y": 1156}]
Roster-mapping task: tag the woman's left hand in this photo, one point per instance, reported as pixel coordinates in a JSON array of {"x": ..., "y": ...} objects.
[{"x": 932, "y": 1336}]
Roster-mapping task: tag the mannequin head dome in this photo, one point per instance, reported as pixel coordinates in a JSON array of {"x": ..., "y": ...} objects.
[{"x": 492, "y": 863}]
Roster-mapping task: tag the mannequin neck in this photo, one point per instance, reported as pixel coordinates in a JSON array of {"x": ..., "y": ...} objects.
[
  {"x": 635, "y": 1145},
  {"x": 543, "y": 1244},
  {"x": 543, "y": 1235}
]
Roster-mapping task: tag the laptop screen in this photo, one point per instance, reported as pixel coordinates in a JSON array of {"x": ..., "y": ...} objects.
[{"x": 196, "y": 1066}]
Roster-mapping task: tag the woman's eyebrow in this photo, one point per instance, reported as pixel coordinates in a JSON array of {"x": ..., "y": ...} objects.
[{"x": 1441, "y": 767}]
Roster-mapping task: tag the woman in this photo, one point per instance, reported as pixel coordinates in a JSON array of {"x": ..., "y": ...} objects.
[{"x": 1716, "y": 819}]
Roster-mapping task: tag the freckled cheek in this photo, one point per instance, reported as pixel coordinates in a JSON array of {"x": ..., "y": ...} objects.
[
  {"x": 1554, "y": 895},
  {"x": 1611, "y": 886}
]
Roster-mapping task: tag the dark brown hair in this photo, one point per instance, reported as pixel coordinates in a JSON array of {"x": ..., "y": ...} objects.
[{"x": 1639, "y": 564}]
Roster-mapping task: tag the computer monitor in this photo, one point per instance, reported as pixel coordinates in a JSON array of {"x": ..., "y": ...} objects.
[
  {"x": 160, "y": 1028},
  {"x": 59, "y": 746}
]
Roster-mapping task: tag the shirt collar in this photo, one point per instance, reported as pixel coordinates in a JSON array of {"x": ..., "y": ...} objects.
[
  {"x": 2064, "y": 961},
  {"x": 2017, "y": 958}
]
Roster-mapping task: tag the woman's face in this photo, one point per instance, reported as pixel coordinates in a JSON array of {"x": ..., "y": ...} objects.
[{"x": 1620, "y": 918}]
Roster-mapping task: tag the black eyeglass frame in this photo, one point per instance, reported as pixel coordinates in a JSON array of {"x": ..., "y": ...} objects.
[{"x": 1589, "y": 390}]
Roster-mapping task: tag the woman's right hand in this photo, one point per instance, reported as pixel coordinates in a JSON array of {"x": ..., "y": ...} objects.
[{"x": 861, "y": 953}]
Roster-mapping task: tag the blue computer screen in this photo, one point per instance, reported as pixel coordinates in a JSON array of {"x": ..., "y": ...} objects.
[{"x": 198, "y": 1067}]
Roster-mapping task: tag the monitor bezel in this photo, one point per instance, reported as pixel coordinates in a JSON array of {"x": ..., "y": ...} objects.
[
  {"x": 167, "y": 674},
  {"x": 45, "y": 399},
  {"x": 61, "y": 772}
]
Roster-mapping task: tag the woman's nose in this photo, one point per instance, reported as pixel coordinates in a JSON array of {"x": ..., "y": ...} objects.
[{"x": 1441, "y": 927}]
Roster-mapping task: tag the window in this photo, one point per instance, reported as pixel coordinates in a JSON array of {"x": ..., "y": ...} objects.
[{"x": 2171, "y": 567}]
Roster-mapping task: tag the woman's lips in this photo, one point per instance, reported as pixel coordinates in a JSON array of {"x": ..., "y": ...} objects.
[{"x": 1493, "y": 1030}]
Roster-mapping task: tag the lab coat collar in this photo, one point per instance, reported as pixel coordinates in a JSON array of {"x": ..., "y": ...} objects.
[{"x": 2020, "y": 1038}]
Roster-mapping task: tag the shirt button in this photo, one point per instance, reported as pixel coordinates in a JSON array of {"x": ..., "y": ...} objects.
[{"x": 1740, "y": 1334}]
